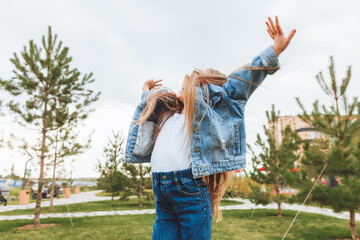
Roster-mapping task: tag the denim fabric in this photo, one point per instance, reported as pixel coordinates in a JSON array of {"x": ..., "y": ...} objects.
[
  {"x": 183, "y": 206},
  {"x": 218, "y": 139}
]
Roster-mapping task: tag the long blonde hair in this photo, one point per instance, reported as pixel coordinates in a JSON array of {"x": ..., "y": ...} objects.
[{"x": 170, "y": 105}]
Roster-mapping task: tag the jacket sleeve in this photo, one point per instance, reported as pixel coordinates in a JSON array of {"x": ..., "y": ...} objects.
[
  {"x": 242, "y": 89},
  {"x": 145, "y": 95}
]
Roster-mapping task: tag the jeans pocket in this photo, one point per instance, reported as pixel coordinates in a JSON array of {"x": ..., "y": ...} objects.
[
  {"x": 188, "y": 188},
  {"x": 200, "y": 183}
]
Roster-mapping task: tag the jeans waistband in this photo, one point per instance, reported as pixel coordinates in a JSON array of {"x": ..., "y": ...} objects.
[{"x": 173, "y": 176}]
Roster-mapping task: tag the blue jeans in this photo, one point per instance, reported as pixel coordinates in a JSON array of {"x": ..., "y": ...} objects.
[{"x": 183, "y": 206}]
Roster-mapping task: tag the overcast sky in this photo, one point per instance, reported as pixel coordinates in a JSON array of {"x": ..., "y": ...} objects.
[{"x": 125, "y": 43}]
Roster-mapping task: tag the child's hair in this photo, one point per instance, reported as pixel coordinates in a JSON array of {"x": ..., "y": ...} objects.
[{"x": 167, "y": 104}]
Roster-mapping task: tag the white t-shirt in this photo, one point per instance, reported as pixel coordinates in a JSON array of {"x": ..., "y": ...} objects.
[{"x": 170, "y": 152}]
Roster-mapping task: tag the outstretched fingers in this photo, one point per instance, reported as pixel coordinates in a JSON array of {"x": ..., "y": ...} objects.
[
  {"x": 292, "y": 33},
  {"x": 270, "y": 30},
  {"x": 273, "y": 28},
  {"x": 156, "y": 83},
  {"x": 278, "y": 26}
]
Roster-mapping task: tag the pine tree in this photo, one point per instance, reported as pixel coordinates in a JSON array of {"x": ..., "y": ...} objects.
[
  {"x": 277, "y": 157},
  {"x": 339, "y": 152},
  {"x": 112, "y": 179},
  {"x": 139, "y": 178},
  {"x": 47, "y": 93}
]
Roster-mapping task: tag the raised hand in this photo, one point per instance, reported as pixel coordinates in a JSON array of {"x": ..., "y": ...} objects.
[
  {"x": 149, "y": 84},
  {"x": 277, "y": 34}
]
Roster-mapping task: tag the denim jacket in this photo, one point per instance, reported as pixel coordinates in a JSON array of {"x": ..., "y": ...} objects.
[{"x": 218, "y": 144}]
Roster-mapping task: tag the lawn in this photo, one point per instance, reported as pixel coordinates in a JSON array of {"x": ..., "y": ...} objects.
[
  {"x": 132, "y": 204},
  {"x": 235, "y": 225}
]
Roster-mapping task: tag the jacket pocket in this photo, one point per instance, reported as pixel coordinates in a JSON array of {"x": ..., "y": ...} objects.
[{"x": 218, "y": 109}]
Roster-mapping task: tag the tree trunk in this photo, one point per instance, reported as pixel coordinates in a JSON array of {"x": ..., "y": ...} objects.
[
  {"x": 24, "y": 183},
  {"x": 279, "y": 209},
  {"x": 40, "y": 185},
  {"x": 278, "y": 195},
  {"x": 52, "y": 189},
  {"x": 53, "y": 178},
  {"x": 112, "y": 197},
  {"x": 42, "y": 158},
  {"x": 353, "y": 231},
  {"x": 140, "y": 193}
]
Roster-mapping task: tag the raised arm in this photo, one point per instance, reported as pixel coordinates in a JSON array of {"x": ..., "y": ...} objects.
[{"x": 242, "y": 82}]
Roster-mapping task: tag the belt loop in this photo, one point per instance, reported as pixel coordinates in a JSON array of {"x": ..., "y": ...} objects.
[
  {"x": 158, "y": 178},
  {"x": 161, "y": 177},
  {"x": 176, "y": 177}
]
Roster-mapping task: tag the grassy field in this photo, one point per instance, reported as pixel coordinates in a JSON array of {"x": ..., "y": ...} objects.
[
  {"x": 132, "y": 204},
  {"x": 235, "y": 225}
]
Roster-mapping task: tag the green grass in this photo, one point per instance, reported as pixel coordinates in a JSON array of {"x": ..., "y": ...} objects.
[
  {"x": 235, "y": 225},
  {"x": 132, "y": 204},
  {"x": 16, "y": 201},
  {"x": 230, "y": 202},
  {"x": 103, "y": 194}
]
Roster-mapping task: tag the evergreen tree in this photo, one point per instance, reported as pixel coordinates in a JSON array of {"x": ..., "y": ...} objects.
[
  {"x": 112, "y": 179},
  {"x": 277, "y": 157},
  {"x": 139, "y": 178},
  {"x": 47, "y": 93},
  {"x": 339, "y": 152}
]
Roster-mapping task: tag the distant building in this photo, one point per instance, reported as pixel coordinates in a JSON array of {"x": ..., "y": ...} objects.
[
  {"x": 304, "y": 129},
  {"x": 307, "y": 132}
]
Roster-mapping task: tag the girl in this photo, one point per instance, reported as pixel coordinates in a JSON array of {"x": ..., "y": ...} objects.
[{"x": 195, "y": 139}]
